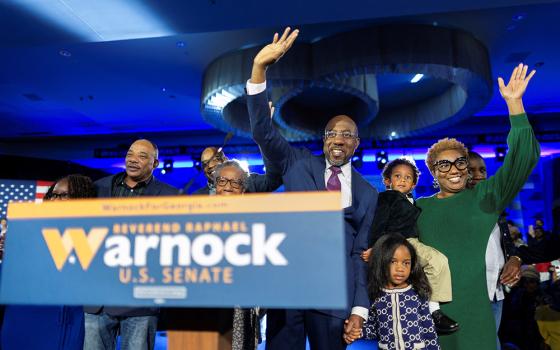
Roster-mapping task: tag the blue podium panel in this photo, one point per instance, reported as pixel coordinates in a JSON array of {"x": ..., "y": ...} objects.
[{"x": 272, "y": 250}]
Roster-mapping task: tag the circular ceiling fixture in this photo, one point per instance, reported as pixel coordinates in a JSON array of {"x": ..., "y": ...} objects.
[
  {"x": 303, "y": 104},
  {"x": 223, "y": 90},
  {"x": 453, "y": 60},
  {"x": 394, "y": 80}
]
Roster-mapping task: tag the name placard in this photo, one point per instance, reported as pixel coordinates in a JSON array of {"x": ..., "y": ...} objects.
[{"x": 272, "y": 250}]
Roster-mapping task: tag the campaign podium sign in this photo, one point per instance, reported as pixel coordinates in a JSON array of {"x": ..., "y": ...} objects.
[{"x": 271, "y": 250}]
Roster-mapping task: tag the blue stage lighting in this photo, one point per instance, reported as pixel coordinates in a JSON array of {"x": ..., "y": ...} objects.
[
  {"x": 381, "y": 158},
  {"x": 197, "y": 163},
  {"x": 168, "y": 165},
  {"x": 500, "y": 154},
  {"x": 100, "y": 20},
  {"x": 416, "y": 78},
  {"x": 357, "y": 159}
]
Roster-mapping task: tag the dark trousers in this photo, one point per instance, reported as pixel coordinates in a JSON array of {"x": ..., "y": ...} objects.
[{"x": 287, "y": 329}]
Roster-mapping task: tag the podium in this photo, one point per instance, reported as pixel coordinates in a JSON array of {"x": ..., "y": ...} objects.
[
  {"x": 208, "y": 329},
  {"x": 195, "y": 258}
]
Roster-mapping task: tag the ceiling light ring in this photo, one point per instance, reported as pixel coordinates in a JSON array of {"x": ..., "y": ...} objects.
[{"x": 437, "y": 52}]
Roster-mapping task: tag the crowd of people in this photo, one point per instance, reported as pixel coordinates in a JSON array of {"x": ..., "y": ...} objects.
[{"x": 424, "y": 273}]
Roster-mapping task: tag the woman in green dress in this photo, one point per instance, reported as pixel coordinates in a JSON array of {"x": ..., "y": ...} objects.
[{"x": 458, "y": 221}]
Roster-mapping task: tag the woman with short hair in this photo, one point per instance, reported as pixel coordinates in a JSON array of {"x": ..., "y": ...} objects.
[{"x": 458, "y": 221}]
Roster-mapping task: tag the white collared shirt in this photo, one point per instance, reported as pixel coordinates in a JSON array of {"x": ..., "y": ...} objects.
[
  {"x": 345, "y": 178},
  {"x": 494, "y": 263}
]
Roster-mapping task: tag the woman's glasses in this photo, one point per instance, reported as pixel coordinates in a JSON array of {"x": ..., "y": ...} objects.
[
  {"x": 222, "y": 181},
  {"x": 444, "y": 166},
  {"x": 62, "y": 195}
]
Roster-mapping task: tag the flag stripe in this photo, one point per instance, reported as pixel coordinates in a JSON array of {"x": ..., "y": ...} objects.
[{"x": 43, "y": 189}]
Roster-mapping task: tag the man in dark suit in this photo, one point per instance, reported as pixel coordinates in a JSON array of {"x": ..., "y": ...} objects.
[
  {"x": 301, "y": 171},
  {"x": 211, "y": 157},
  {"x": 136, "y": 326}
]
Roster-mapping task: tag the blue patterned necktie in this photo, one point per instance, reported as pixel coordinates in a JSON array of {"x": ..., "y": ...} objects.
[{"x": 333, "y": 184}]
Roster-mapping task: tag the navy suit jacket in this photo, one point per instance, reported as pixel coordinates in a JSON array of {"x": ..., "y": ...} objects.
[
  {"x": 303, "y": 171},
  {"x": 104, "y": 189}
]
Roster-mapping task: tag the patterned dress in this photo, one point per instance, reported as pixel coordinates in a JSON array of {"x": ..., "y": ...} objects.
[
  {"x": 246, "y": 329},
  {"x": 401, "y": 320}
]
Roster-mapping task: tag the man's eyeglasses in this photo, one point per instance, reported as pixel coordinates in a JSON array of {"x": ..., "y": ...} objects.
[
  {"x": 222, "y": 181},
  {"x": 444, "y": 166},
  {"x": 63, "y": 195},
  {"x": 347, "y": 135}
]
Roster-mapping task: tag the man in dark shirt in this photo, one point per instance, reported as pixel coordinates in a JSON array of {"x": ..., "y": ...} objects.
[
  {"x": 136, "y": 326},
  {"x": 211, "y": 157}
]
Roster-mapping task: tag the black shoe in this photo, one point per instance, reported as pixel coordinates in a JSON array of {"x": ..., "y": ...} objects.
[{"x": 444, "y": 325}]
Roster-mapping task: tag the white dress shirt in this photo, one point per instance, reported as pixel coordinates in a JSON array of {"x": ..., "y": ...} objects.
[
  {"x": 345, "y": 183},
  {"x": 494, "y": 263}
]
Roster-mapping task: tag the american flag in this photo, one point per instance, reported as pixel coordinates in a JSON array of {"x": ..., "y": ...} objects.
[{"x": 21, "y": 191}]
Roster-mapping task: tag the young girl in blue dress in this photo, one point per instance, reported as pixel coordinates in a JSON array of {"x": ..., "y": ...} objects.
[{"x": 399, "y": 317}]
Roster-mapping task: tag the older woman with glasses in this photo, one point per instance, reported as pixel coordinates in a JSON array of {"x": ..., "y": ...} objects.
[
  {"x": 231, "y": 179},
  {"x": 458, "y": 221}
]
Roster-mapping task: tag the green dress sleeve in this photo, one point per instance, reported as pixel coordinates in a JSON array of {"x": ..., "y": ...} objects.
[{"x": 522, "y": 156}]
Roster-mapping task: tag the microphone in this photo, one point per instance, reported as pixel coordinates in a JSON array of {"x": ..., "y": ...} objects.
[{"x": 228, "y": 137}]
